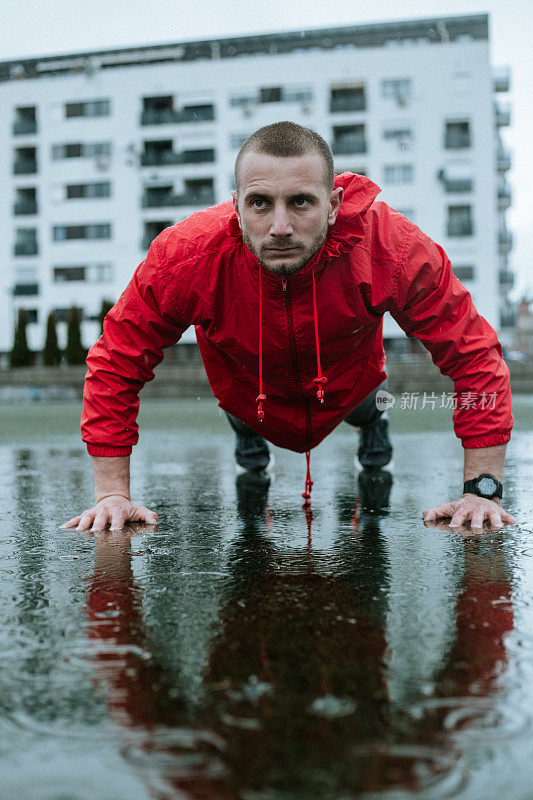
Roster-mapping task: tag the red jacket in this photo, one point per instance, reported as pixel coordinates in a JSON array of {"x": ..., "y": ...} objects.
[{"x": 198, "y": 272}]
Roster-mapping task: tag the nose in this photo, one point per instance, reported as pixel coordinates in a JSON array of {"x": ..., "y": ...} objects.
[{"x": 281, "y": 224}]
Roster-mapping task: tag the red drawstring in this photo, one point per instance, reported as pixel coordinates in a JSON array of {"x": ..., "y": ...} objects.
[
  {"x": 308, "y": 482},
  {"x": 260, "y": 397},
  {"x": 320, "y": 380}
]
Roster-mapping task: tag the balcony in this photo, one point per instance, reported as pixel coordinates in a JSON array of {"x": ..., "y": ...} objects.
[
  {"x": 504, "y": 198},
  {"x": 26, "y": 249},
  {"x": 508, "y": 319},
  {"x": 165, "y": 116},
  {"x": 503, "y": 160},
  {"x": 455, "y": 185},
  {"x": 169, "y": 157},
  {"x": 505, "y": 241},
  {"x": 26, "y": 166},
  {"x": 506, "y": 278},
  {"x": 502, "y": 80},
  {"x": 203, "y": 198},
  {"x": 25, "y": 289},
  {"x": 503, "y": 116},
  {"x": 24, "y": 207},
  {"x": 343, "y": 104},
  {"x": 21, "y": 126},
  {"x": 347, "y": 147}
]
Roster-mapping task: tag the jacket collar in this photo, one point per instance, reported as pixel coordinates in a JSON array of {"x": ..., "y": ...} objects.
[{"x": 359, "y": 194}]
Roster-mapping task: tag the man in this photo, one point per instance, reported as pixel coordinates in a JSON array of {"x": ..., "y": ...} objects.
[{"x": 287, "y": 288}]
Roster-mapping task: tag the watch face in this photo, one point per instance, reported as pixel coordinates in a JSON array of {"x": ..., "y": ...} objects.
[{"x": 487, "y": 486}]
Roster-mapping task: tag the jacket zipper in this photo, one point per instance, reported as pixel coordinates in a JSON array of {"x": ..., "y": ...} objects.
[{"x": 294, "y": 360}]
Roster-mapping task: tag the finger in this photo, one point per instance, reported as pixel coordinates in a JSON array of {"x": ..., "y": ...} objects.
[
  {"x": 118, "y": 520},
  {"x": 459, "y": 517},
  {"x": 72, "y": 522},
  {"x": 495, "y": 519},
  {"x": 444, "y": 510},
  {"x": 86, "y": 520},
  {"x": 477, "y": 518},
  {"x": 508, "y": 518},
  {"x": 145, "y": 515},
  {"x": 100, "y": 521}
]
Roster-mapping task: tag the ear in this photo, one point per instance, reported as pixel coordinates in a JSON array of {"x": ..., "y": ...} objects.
[
  {"x": 335, "y": 201},
  {"x": 236, "y": 207}
]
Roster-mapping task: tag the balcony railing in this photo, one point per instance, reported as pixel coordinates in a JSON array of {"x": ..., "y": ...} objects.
[
  {"x": 204, "y": 198},
  {"x": 167, "y": 115},
  {"x": 26, "y": 249},
  {"x": 26, "y": 166},
  {"x": 347, "y": 104},
  {"x": 349, "y": 147},
  {"x": 503, "y": 116},
  {"x": 503, "y": 160},
  {"x": 457, "y": 185},
  {"x": 502, "y": 80},
  {"x": 508, "y": 319},
  {"x": 505, "y": 241},
  {"x": 504, "y": 198},
  {"x": 460, "y": 229},
  {"x": 21, "y": 126},
  {"x": 169, "y": 157},
  {"x": 25, "y": 207},
  {"x": 506, "y": 278},
  {"x": 457, "y": 141}
]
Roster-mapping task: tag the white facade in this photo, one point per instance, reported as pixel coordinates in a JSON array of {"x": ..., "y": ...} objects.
[{"x": 415, "y": 113}]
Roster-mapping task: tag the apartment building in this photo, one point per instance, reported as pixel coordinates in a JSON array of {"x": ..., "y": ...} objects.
[{"x": 100, "y": 151}]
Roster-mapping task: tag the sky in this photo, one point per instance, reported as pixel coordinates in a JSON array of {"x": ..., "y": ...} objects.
[{"x": 45, "y": 27}]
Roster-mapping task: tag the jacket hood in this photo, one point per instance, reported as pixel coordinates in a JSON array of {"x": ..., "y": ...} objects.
[{"x": 359, "y": 194}]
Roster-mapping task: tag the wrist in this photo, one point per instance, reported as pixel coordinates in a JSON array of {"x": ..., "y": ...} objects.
[{"x": 103, "y": 496}]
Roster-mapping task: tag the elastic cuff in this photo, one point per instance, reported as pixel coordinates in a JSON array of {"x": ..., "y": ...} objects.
[
  {"x": 104, "y": 450},
  {"x": 490, "y": 440}
]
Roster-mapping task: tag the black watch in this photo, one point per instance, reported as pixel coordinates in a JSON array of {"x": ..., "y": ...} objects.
[{"x": 485, "y": 485}]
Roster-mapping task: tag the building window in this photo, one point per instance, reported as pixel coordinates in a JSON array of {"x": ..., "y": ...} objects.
[
  {"x": 348, "y": 139},
  {"x": 402, "y": 135},
  {"x": 348, "y": 98},
  {"x": 26, "y": 242},
  {"x": 460, "y": 221},
  {"x": 80, "y": 150},
  {"x": 92, "y": 273},
  {"x": 25, "y": 120},
  {"x": 272, "y": 94},
  {"x": 90, "y": 108},
  {"x": 99, "y": 231},
  {"x": 457, "y": 135},
  {"x": 26, "y": 201},
  {"x": 399, "y": 89},
  {"x": 464, "y": 273},
  {"x": 398, "y": 173},
  {"x": 25, "y": 161},
  {"x": 237, "y": 140},
  {"x": 25, "y": 289},
  {"x": 151, "y": 230},
  {"x": 32, "y": 315},
  {"x": 88, "y": 190}
]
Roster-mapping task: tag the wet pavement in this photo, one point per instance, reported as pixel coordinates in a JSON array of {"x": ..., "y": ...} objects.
[{"x": 246, "y": 650}]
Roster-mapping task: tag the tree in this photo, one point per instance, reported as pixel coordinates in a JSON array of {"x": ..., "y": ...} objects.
[
  {"x": 51, "y": 352},
  {"x": 106, "y": 306},
  {"x": 75, "y": 352},
  {"x": 20, "y": 355}
]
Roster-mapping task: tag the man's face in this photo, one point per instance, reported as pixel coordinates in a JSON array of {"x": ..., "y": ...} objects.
[{"x": 284, "y": 208}]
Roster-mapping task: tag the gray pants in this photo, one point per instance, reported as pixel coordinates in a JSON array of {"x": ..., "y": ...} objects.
[{"x": 366, "y": 413}]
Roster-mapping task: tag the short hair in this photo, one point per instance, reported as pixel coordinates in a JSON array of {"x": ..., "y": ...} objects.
[{"x": 286, "y": 139}]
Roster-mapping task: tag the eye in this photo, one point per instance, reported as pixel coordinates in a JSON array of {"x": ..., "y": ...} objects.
[
  {"x": 258, "y": 203},
  {"x": 301, "y": 202}
]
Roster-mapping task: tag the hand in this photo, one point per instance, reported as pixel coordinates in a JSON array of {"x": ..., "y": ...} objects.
[
  {"x": 113, "y": 510},
  {"x": 473, "y": 509}
]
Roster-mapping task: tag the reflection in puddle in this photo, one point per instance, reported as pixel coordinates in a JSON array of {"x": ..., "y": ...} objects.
[{"x": 234, "y": 653}]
